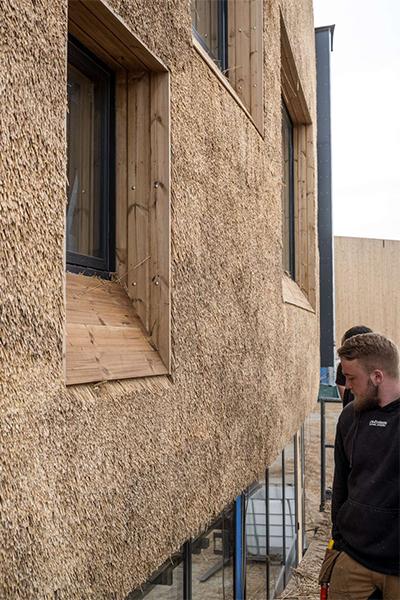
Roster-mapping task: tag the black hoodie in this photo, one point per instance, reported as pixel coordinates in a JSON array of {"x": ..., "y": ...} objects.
[{"x": 366, "y": 487}]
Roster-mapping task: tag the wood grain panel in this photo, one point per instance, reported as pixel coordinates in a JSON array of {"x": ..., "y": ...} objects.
[
  {"x": 245, "y": 55},
  {"x": 105, "y": 339},
  {"x": 242, "y": 65},
  {"x": 107, "y": 36},
  {"x": 160, "y": 217},
  {"x": 139, "y": 155},
  {"x": 292, "y": 294},
  {"x": 121, "y": 175},
  {"x": 256, "y": 61},
  {"x": 367, "y": 285}
]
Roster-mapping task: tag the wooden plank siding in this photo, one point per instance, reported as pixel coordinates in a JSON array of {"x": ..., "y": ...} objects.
[
  {"x": 245, "y": 55},
  {"x": 242, "y": 42},
  {"x": 367, "y": 285},
  {"x": 108, "y": 37},
  {"x": 121, "y": 175},
  {"x": 160, "y": 314},
  {"x": 105, "y": 339},
  {"x": 256, "y": 61},
  {"x": 139, "y": 195},
  {"x": 310, "y": 227}
]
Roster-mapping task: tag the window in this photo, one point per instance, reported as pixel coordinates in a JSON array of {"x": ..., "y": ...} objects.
[
  {"x": 299, "y": 234},
  {"x": 118, "y": 205},
  {"x": 167, "y": 583},
  {"x": 274, "y": 525},
  {"x": 203, "y": 569},
  {"x": 229, "y": 34},
  {"x": 210, "y": 24},
  {"x": 290, "y": 516},
  {"x": 250, "y": 548},
  {"x": 288, "y": 253},
  {"x": 213, "y": 560},
  {"x": 90, "y": 210},
  {"x": 256, "y": 540},
  {"x": 276, "y": 530}
]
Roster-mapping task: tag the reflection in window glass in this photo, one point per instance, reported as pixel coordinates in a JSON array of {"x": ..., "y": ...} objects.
[
  {"x": 256, "y": 542},
  {"x": 275, "y": 529},
  {"x": 290, "y": 507},
  {"x": 209, "y": 21},
  {"x": 212, "y": 560},
  {"x": 302, "y": 491},
  {"x": 165, "y": 585},
  {"x": 84, "y": 132},
  {"x": 88, "y": 152}
]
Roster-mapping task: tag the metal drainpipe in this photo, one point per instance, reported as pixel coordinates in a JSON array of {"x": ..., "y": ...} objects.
[{"x": 323, "y": 46}]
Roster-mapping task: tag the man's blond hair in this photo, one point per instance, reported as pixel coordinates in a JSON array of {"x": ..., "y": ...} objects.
[{"x": 374, "y": 351}]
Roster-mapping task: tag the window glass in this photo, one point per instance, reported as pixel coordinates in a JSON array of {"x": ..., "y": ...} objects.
[
  {"x": 287, "y": 193},
  {"x": 256, "y": 542},
  {"x": 282, "y": 519},
  {"x": 275, "y": 527},
  {"x": 212, "y": 560},
  {"x": 290, "y": 507},
  {"x": 165, "y": 585},
  {"x": 88, "y": 143},
  {"x": 302, "y": 491},
  {"x": 209, "y": 18}
]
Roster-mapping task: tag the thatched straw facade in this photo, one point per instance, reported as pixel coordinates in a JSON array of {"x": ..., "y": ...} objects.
[{"x": 100, "y": 482}]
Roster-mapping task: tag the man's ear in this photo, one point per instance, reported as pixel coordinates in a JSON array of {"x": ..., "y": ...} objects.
[{"x": 376, "y": 376}]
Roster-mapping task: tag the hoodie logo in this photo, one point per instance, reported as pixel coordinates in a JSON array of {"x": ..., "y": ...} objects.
[{"x": 375, "y": 423}]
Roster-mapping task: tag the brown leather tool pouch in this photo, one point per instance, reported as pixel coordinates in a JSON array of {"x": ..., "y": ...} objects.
[{"x": 327, "y": 566}]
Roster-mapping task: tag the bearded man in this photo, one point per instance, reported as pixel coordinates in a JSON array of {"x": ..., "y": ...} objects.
[{"x": 366, "y": 487}]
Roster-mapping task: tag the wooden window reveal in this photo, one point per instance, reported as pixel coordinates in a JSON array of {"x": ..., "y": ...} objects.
[
  {"x": 245, "y": 54},
  {"x": 231, "y": 33},
  {"x": 105, "y": 338},
  {"x": 304, "y": 202},
  {"x": 141, "y": 326}
]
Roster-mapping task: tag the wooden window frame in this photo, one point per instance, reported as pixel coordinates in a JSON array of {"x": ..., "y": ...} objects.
[
  {"x": 142, "y": 181},
  {"x": 305, "y": 207},
  {"x": 243, "y": 73}
]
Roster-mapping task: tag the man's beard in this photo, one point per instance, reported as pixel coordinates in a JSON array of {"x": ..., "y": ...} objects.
[{"x": 369, "y": 401}]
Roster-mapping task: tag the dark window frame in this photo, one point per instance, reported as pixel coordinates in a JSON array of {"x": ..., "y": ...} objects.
[
  {"x": 164, "y": 575},
  {"x": 222, "y": 59},
  {"x": 89, "y": 64},
  {"x": 237, "y": 553},
  {"x": 287, "y": 121},
  {"x": 286, "y": 566}
]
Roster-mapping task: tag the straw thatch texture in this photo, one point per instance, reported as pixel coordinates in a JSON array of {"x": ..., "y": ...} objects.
[{"x": 100, "y": 483}]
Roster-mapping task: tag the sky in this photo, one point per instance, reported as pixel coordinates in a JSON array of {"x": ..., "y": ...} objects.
[{"x": 365, "y": 94}]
